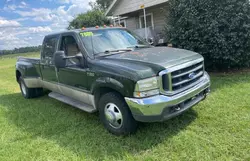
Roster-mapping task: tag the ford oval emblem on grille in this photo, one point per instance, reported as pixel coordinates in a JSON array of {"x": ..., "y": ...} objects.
[{"x": 191, "y": 75}]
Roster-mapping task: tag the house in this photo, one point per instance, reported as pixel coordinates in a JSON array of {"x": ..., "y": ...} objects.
[{"x": 130, "y": 14}]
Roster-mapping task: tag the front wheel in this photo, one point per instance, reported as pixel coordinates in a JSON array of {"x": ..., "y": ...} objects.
[{"x": 115, "y": 115}]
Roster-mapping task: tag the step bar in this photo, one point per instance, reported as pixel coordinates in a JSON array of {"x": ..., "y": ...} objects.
[{"x": 72, "y": 102}]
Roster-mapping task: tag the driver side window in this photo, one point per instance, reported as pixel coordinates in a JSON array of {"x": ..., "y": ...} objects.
[{"x": 71, "y": 48}]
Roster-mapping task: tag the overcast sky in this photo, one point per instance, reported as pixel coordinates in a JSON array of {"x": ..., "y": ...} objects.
[{"x": 25, "y": 22}]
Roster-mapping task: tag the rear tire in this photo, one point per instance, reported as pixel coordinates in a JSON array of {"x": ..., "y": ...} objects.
[
  {"x": 29, "y": 92},
  {"x": 116, "y": 115}
]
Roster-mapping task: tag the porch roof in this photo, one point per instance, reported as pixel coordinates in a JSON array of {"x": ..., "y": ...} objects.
[{"x": 126, "y": 6}]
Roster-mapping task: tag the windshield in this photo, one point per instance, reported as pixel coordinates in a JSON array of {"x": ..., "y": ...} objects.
[{"x": 101, "y": 41}]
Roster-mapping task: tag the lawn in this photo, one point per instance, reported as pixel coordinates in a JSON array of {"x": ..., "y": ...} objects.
[{"x": 45, "y": 129}]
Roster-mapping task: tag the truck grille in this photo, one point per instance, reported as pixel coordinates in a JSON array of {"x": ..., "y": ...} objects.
[{"x": 182, "y": 79}]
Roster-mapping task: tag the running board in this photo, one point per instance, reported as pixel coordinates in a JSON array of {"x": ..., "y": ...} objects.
[{"x": 72, "y": 102}]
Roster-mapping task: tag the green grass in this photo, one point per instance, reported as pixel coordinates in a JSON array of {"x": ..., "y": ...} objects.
[{"x": 45, "y": 129}]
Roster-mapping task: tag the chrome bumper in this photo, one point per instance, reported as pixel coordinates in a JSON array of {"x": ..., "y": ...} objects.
[{"x": 162, "y": 107}]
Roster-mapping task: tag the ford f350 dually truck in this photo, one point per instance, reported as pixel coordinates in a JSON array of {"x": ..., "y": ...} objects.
[{"x": 112, "y": 71}]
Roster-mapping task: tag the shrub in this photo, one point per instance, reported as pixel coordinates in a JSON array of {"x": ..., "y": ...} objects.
[
  {"x": 91, "y": 18},
  {"x": 219, "y": 30}
]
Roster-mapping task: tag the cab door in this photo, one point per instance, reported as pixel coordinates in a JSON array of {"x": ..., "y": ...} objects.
[
  {"x": 47, "y": 66},
  {"x": 73, "y": 78}
]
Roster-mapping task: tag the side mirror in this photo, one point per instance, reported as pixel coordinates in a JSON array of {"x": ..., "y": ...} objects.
[{"x": 59, "y": 59}]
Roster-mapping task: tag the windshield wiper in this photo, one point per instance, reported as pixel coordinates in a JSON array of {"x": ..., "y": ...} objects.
[
  {"x": 140, "y": 46},
  {"x": 116, "y": 50}
]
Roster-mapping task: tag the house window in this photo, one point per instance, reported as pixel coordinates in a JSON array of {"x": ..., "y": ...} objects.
[
  {"x": 149, "y": 21},
  {"x": 123, "y": 23}
]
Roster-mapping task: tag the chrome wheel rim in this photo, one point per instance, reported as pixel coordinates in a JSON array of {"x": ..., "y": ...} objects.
[
  {"x": 113, "y": 115},
  {"x": 23, "y": 88}
]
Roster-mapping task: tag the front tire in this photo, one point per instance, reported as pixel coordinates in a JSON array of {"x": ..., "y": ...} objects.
[
  {"x": 29, "y": 92},
  {"x": 115, "y": 115}
]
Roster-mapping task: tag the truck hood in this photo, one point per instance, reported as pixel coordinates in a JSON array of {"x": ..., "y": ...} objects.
[
  {"x": 148, "y": 62},
  {"x": 163, "y": 56}
]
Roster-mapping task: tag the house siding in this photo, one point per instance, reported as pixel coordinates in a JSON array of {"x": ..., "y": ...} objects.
[
  {"x": 132, "y": 23},
  {"x": 127, "y": 6},
  {"x": 159, "y": 17}
]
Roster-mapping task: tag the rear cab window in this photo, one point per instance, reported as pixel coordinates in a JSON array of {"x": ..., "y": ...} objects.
[{"x": 49, "y": 48}]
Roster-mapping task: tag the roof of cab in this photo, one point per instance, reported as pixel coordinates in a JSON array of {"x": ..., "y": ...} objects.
[{"x": 83, "y": 30}]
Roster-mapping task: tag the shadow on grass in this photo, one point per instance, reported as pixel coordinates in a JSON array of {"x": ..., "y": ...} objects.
[{"x": 82, "y": 133}]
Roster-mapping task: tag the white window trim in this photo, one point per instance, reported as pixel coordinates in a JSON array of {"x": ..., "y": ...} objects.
[
  {"x": 121, "y": 20},
  {"x": 141, "y": 17},
  {"x": 124, "y": 21}
]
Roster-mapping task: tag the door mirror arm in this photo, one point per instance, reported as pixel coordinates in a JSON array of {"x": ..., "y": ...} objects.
[{"x": 77, "y": 56}]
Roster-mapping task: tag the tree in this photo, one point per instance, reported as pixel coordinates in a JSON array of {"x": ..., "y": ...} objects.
[
  {"x": 89, "y": 19},
  {"x": 104, "y": 3},
  {"x": 219, "y": 30},
  {"x": 21, "y": 50}
]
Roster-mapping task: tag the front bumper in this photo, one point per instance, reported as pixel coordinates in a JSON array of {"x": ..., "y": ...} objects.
[{"x": 161, "y": 107}]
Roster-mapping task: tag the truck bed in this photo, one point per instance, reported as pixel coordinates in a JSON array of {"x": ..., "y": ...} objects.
[
  {"x": 30, "y": 60},
  {"x": 28, "y": 67}
]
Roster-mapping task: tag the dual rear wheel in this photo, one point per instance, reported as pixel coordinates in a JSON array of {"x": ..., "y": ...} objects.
[{"x": 29, "y": 92}]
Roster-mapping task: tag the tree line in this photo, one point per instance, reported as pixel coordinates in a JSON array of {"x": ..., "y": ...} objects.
[{"x": 21, "y": 50}]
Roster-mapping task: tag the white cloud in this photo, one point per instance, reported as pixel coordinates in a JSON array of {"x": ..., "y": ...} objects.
[
  {"x": 13, "y": 35},
  {"x": 60, "y": 13},
  {"x": 23, "y": 3},
  {"x": 9, "y": 23},
  {"x": 22, "y": 36},
  {"x": 58, "y": 17},
  {"x": 38, "y": 14},
  {"x": 64, "y": 1},
  {"x": 10, "y": 41},
  {"x": 9, "y": 7},
  {"x": 28, "y": 38},
  {"x": 39, "y": 29},
  {"x": 14, "y": 6}
]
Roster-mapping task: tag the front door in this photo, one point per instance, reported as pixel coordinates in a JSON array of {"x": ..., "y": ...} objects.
[
  {"x": 47, "y": 65},
  {"x": 73, "y": 79}
]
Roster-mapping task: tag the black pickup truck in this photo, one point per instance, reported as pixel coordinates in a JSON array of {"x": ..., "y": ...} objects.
[{"x": 113, "y": 71}]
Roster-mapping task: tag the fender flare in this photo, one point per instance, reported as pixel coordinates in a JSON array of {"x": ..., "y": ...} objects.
[{"x": 106, "y": 82}]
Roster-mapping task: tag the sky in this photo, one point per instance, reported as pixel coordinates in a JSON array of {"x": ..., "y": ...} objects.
[{"x": 26, "y": 22}]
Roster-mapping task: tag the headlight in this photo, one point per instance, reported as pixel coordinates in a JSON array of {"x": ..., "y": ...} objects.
[{"x": 147, "y": 87}]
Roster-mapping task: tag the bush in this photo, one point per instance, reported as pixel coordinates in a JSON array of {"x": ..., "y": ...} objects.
[
  {"x": 91, "y": 18},
  {"x": 219, "y": 30}
]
